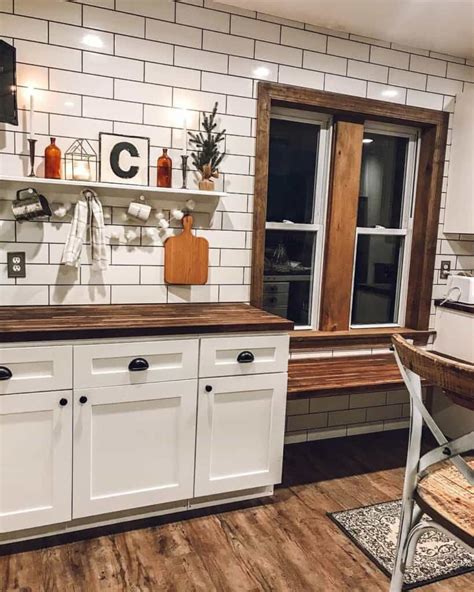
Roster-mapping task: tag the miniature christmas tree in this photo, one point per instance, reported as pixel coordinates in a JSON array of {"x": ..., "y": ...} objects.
[{"x": 207, "y": 157}]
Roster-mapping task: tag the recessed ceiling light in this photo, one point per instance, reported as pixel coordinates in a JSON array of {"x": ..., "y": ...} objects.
[
  {"x": 389, "y": 93},
  {"x": 92, "y": 40},
  {"x": 261, "y": 72},
  {"x": 367, "y": 141},
  {"x": 69, "y": 104}
]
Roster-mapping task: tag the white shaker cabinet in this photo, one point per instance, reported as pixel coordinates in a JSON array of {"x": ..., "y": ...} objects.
[
  {"x": 133, "y": 446},
  {"x": 35, "y": 459},
  {"x": 459, "y": 215},
  {"x": 109, "y": 430},
  {"x": 241, "y": 421}
]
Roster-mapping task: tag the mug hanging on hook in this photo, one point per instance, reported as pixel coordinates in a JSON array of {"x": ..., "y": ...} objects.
[
  {"x": 30, "y": 205},
  {"x": 139, "y": 210}
]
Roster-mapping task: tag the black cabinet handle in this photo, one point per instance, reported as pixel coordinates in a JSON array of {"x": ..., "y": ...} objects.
[
  {"x": 208, "y": 388},
  {"x": 5, "y": 373},
  {"x": 138, "y": 364},
  {"x": 83, "y": 399},
  {"x": 63, "y": 402},
  {"x": 245, "y": 357}
]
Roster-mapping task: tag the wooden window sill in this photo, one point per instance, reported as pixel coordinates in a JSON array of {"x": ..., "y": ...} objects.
[{"x": 377, "y": 337}]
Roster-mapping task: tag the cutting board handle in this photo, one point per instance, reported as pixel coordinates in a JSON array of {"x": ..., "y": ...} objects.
[{"x": 187, "y": 224}]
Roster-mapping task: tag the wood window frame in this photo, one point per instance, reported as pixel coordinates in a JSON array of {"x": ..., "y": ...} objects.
[{"x": 349, "y": 115}]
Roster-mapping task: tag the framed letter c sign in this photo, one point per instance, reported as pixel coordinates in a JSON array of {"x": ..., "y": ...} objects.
[{"x": 124, "y": 159}]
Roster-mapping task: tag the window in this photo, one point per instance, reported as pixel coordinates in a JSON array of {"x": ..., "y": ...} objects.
[
  {"x": 346, "y": 210},
  {"x": 296, "y": 199},
  {"x": 383, "y": 234}
]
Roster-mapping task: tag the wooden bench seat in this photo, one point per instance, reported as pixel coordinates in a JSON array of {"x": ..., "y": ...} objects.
[{"x": 311, "y": 377}]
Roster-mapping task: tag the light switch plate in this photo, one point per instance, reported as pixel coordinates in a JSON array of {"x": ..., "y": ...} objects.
[{"x": 16, "y": 265}]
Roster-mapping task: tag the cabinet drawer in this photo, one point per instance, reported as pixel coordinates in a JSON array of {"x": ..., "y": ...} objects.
[
  {"x": 235, "y": 356},
  {"x": 134, "y": 363},
  {"x": 35, "y": 369}
]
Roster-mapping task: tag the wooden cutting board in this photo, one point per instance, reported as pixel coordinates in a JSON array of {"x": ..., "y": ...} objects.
[{"x": 186, "y": 257}]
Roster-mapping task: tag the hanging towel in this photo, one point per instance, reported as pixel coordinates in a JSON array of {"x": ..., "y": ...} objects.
[{"x": 87, "y": 213}]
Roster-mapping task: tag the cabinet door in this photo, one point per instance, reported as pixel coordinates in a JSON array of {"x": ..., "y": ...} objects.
[
  {"x": 240, "y": 432},
  {"x": 133, "y": 446},
  {"x": 35, "y": 459}
]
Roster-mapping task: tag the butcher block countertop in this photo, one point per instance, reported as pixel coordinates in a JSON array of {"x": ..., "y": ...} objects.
[{"x": 43, "y": 323}]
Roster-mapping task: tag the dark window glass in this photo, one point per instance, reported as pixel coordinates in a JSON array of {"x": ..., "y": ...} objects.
[
  {"x": 376, "y": 279},
  {"x": 291, "y": 171},
  {"x": 288, "y": 274},
  {"x": 381, "y": 182}
]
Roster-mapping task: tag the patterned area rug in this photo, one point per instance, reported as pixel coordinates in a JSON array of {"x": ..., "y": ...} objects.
[{"x": 374, "y": 529}]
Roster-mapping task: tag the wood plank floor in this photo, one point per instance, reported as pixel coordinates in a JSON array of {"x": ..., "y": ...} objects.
[{"x": 285, "y": 544}]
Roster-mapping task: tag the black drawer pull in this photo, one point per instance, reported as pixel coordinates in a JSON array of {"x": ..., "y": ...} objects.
[
  {"x": 63, "y": 402},
  {"x": 82, "y": 400},
  {"x": 208, "y": 388},
  {"x": 138, "y": 364},
  {"x": 245, "y": 357},
  {"x": 5, "y": 373}
]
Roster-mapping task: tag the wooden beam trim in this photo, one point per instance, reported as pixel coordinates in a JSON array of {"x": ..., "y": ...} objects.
[
  {"x": 370, "y": 108},
  {"x": 341, "y": 226},
  {"x": 425, "y": 224},
  {"x": 260, "y": 195}
]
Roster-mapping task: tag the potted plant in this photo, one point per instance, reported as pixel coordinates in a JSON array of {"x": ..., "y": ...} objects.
[{"x": 207, "y": 156}]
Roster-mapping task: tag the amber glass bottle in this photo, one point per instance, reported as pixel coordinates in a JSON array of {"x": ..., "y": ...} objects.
[
  {"x": 52, "y": 161},
  {"x": 164, "y": 164}
]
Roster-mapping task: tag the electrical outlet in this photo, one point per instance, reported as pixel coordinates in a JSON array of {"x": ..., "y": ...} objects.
[
  {"x": 16, "y": 265},
  {"x": 445, "y": 270}
]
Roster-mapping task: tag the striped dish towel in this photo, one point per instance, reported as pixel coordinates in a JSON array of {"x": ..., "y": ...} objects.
[{"x": 87, "y": 213}]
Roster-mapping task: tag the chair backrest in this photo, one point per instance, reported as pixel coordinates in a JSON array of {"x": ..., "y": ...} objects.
[{"x": 455, "y": 378}]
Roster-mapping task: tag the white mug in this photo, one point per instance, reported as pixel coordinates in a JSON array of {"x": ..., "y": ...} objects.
[{"x": 139, "y": 210}]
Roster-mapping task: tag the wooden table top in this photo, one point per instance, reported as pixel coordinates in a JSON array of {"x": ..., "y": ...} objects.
[
  {"x": 348, "y": 374},
  {"x": 39, "y": 323}
]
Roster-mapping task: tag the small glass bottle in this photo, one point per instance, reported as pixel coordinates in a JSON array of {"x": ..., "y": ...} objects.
[
  {"x": 164, "y": 165},
  {"x": 52, "y": 161}
]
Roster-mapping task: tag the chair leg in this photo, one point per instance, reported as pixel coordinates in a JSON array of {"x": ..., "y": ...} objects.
[
  {"x": 409, "y": 514},
  {"x": 396, "y": 582}
]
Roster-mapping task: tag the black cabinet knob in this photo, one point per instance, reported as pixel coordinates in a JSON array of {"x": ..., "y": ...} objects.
[
  {"x": 83, "y": 399},
  {"x": 138, "y": 364},
  {"x": 245, "y": 357},
  {"x": 63, "y": 402},
  {"x": 208, "y": 388},
  {"x": 5, "y": 373}
]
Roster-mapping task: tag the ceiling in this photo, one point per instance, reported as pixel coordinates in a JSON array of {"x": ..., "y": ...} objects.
[{"x": 444, "y": 26}]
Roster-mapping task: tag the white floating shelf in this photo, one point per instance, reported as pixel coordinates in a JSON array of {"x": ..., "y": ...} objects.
[{"x": 9, "y": 186}]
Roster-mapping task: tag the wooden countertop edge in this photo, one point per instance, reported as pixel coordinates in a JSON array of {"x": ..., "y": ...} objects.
[
  {"x": 301, "y": 340},
  {"x": 109, "y": 321},
  {"x": 111, "y": 332}
]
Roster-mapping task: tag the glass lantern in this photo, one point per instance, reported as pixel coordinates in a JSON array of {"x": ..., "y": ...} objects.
[{"x": 80, "y": 162}]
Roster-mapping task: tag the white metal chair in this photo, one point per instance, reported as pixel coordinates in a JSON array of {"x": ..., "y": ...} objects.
[{"x": 425, "y": 490}]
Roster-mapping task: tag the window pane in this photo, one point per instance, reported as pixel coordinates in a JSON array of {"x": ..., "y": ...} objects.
[
  {"x": 376, "y": 280},
  {"x": 382, "y": 180},
  {"x": 288, "y": 274},
  {"x": 291, "y": 171}
]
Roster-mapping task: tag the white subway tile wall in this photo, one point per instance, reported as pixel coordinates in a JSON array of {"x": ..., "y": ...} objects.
[{"x": 127, "y": 67}]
